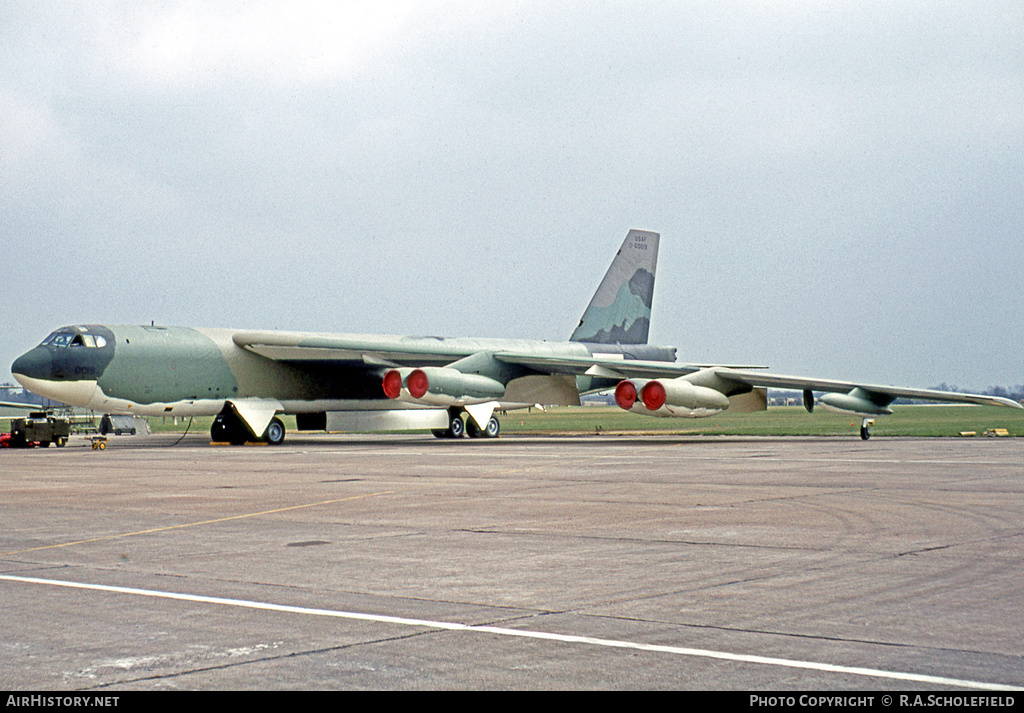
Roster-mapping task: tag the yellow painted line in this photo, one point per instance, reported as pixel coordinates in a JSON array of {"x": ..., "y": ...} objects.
[
  {"x": 244, "y": 516},
  {"x": 196, "y": 524}
]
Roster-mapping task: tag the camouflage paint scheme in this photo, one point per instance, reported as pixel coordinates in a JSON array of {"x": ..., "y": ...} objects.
[
  {"x": 248, "y": 377},
  {"x": 186, "y": 371},
  {"x": 620, "y": 311},
  {"x": 157, "y": 366}
]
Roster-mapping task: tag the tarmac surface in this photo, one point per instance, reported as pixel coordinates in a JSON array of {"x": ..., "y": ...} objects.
[{"x": 598, "y": 562}]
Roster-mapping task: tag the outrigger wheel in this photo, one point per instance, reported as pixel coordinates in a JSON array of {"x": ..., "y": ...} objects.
[{"x": 865, "y": 428}]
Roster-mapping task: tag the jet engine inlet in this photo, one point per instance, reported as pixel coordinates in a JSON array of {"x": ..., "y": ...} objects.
[
  {"x": 653, "y": 395},
  {"x": 417, "y": 383},
  {"x": 393, "y": 384},
  {"x": 625, "y": 395}
]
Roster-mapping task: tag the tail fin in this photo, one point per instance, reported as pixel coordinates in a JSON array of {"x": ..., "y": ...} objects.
[{"x": 620, "y": 311}]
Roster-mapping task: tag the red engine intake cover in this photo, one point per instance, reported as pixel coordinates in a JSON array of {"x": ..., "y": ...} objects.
[
  {"x": 393, "y": 384},
  {"x": 653, "y": 395},
  {"x": 625, "y": 395},
  {"x": 417, "y": 383}
]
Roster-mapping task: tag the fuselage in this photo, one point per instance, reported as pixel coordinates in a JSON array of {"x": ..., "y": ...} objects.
[{"x": 185, "y": 371}]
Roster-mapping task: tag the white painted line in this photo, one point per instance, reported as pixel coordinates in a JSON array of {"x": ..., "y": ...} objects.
[{"x": 501, "y": 631}]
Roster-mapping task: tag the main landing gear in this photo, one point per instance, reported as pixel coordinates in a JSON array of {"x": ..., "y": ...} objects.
[
  {"x": 229, "y": 428},
  {"x": 460, "y": 425}
]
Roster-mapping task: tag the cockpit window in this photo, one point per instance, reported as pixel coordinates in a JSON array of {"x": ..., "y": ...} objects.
[
  {"x": 70, "y": 339},
  {"x": 58, "y": 339}
]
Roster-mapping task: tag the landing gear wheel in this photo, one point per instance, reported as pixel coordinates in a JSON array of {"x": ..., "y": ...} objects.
[
  {"x": 865, "y": 428},
  {"x": 491, "y": 430},
  {"x": 275, "y": 432},
  {"x": 457, "y": 427},
  {"x": 219, "y": 430},
  {"x": 228, "y": 428}
]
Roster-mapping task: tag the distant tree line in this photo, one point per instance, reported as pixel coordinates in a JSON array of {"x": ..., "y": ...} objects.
[
  {"x": 1013, "y": 392},
  {"x": 18, "y": 395}
]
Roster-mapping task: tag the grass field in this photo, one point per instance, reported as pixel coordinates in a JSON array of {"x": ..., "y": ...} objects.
[
  {"x": 777, "y": 421},
  {"x": 930, "y": 421}
]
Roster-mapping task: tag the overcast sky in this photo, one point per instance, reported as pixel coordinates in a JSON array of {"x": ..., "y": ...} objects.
[{"x": 839, "y": 186}]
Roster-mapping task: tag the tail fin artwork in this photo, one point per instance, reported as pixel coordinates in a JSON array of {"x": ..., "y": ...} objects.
[{"x": 620, "y": 311}]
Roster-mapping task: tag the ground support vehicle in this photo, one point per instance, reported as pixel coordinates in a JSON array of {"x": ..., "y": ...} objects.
[{"x": 39, "y": 429}]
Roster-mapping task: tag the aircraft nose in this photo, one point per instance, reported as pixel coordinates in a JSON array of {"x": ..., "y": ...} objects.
[{"x": 34, "y": 364}]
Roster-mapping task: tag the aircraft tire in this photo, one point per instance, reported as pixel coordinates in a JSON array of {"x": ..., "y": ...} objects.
[
  {"x": 865, "y": 431},
  {"x": 493, "y": 427},
  {"x": 227, "y": 428},
  {"x": 457, "y": 428},
  {"x": 275, "y": 432},
  {"x": 219, "y": 431}
]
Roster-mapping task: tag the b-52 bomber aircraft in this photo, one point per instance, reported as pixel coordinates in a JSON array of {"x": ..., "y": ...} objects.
[{"x": 354, "y": 382}]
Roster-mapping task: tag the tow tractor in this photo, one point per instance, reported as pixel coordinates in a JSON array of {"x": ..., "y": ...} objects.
[{"x": 39, "y": 429}]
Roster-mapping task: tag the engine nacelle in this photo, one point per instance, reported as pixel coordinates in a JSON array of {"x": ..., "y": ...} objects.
[
  {"x": 440, "y": 386},
  {"x": 669, "y": 397}
]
